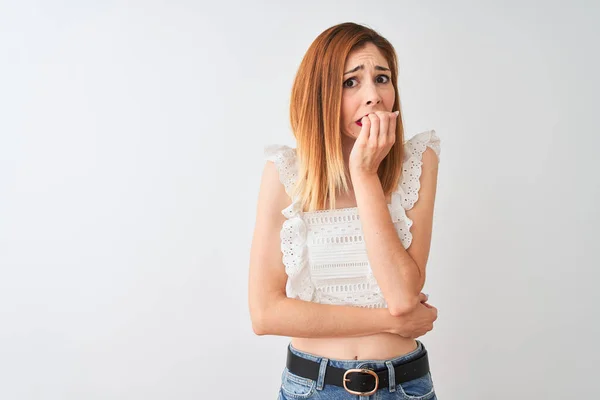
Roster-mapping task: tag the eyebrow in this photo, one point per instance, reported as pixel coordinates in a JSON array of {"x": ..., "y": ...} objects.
[{"x": 377, "y": 67}]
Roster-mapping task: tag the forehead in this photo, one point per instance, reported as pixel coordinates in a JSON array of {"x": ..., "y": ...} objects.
[{"x": 368, "y": 54}]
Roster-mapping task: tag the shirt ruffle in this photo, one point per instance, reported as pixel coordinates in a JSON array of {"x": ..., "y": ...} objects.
[
  {"x": 407, "y": 192},
  {"x": 293, "y": 232}
]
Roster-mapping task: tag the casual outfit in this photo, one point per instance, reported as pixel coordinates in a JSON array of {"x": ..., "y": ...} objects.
[{"x": 326, "y": 262}]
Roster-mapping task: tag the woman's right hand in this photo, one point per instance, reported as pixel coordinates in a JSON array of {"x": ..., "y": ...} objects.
[{"x": 416, "y": 322}]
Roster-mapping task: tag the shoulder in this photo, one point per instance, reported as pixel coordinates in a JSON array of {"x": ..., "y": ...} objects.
[
  {"x": 420, "y": 143},
  {"x": 430, "y": 160},
  {"x": 282, "y": 159},
  {"x": 419, "y": 168},
  {"x": 422, "y": 153},
  {"x": 278, "y": 152},
  {"x": 277, "y": 176}
]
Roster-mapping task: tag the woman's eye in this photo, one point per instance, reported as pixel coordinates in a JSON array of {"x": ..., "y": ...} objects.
[
  {"x": 386, "y": 79},
  {"x": 349, "y": 80}
]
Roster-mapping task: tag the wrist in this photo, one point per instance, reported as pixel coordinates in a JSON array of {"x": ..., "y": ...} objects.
[
  {"x": 364, "y": 182},
  {"x": 389, "y": 323},
  {"x": 362, "y": 174}
]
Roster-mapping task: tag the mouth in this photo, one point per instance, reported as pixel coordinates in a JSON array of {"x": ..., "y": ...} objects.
[{"x": 357, "y": 122}]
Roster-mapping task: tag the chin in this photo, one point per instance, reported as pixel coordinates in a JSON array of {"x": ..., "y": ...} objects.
[{"x": 350, "y": 135}]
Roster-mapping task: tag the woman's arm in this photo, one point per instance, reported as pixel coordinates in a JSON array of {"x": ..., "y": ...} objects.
[
  {"x": 272, "y": 313},
  {"x": 298, "y": 318},
  {"x": 400, "y": 273}
]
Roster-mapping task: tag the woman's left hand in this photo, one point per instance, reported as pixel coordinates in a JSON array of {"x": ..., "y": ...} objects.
[{"x": 376, "y": 138}]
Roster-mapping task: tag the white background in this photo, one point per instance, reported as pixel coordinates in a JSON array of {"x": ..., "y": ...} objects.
[{"x": 131, "y": 148}]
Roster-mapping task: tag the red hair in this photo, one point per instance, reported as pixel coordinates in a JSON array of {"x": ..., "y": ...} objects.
[{"x": 315, "y": 113}]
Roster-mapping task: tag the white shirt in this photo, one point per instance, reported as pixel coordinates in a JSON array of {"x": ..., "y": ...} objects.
[{"x": 324, "y": 252}]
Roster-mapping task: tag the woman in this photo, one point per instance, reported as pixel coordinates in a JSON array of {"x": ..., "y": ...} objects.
[{"x": 351, "y": 209}]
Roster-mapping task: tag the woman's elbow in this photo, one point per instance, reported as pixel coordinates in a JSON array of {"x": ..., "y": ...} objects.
[
  {"x": 257, "y": 317},
  {"x": 403, "y": 307},
  {"x": 263, "y": 310},
  {"x": 258, "y": 328}
]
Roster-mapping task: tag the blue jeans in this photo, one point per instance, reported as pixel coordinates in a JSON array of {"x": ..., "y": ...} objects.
[{"x": 295, "y": 387}]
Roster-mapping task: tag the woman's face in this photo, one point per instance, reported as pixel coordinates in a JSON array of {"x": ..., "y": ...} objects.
[{"x": 367, "y": 87}]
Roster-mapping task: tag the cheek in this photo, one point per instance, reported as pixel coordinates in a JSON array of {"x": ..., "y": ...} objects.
[
  {"x": 347, "y": 108},
  {"x": 389, "y": 98}
]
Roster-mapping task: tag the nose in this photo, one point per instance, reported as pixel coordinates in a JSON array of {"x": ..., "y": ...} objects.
[{"x": 372, "y": 95}]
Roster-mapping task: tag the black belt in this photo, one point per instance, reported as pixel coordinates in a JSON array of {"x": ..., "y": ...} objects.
[{"x": 358, "y": 381}]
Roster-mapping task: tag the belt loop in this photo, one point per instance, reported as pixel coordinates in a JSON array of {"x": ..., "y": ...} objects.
[
  {"x": 392, "y": 376},
  {"x": 322, "y": 369}
]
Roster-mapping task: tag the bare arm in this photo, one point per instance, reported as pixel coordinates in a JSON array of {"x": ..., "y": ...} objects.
[
  {"x": 400, "y": 273},
  {"x": 272, "y": 313},
  {"x": 298, "y": 318}
]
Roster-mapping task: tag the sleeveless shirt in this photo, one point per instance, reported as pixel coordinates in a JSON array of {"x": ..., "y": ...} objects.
[{"x": 323, "y": 251}]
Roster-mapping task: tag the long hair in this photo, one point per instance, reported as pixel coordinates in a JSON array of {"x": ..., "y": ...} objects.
[{"x": 315, "y": 113}]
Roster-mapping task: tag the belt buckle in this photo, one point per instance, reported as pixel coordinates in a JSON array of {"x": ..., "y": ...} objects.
[{"x": 363, "y": 371}]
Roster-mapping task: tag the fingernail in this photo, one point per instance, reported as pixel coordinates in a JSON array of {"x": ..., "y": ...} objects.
[{"x": 397, "y": 112}]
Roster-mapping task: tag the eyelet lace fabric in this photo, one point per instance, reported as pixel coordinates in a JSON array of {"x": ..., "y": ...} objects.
[
  {"x": 293, "y": 231},
  {"x": 324, "y": 252},
  {"x": 407, "y": 193}
]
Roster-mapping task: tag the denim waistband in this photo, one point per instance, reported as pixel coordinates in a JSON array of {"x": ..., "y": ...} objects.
[{"x": 363, "y": 363}]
